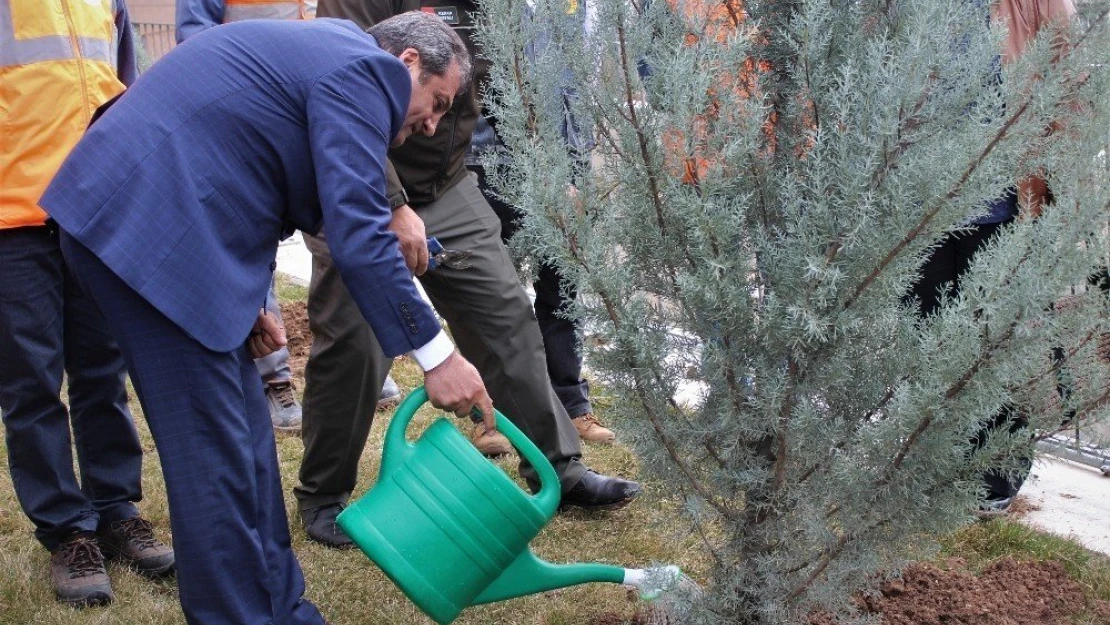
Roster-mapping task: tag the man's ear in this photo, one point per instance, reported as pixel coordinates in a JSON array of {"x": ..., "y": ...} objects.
[{"x": 410, "y": 57}]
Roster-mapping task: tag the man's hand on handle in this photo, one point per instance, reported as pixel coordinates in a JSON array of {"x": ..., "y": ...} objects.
[
  {"x": 409, "y": 228},
  {"x": 267, "y": 336},
  {"x": 456, "y": 386}
]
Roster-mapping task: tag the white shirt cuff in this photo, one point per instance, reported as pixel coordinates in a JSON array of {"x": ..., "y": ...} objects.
[{"x": 434, "y": 352}]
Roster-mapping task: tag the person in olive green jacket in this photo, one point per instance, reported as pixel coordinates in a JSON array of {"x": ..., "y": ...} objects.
[{"x": 432, "y": 194}]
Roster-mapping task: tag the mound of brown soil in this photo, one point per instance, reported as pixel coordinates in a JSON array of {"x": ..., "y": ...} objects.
[
  {"x": 1008, "y": 592},
  {"x": 295, "y": 317}
]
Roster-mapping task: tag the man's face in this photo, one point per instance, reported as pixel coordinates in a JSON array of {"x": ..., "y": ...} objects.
[{"x": 431, "y": 97}]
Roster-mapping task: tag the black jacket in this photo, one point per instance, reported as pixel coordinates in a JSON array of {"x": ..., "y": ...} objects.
[{"x": 425, "y": 167}]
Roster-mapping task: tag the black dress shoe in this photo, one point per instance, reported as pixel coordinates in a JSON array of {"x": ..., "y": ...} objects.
[
  {"x": 600, "y": 492},
  {"x": 319, "y": 524}
]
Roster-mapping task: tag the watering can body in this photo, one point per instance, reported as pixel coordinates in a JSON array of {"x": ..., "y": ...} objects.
[{"x": 450, "y": 528}]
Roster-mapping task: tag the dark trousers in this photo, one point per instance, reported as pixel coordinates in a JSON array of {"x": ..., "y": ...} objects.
[
  {"x": 561, "y": 336},
  {"x": 1100, "y": 279},
  {"x": 491, "y": 322},
  {"x": 943, "y": 270},
  {"x": 47, "y": 327},
  {"x": 211, "y": 425}
]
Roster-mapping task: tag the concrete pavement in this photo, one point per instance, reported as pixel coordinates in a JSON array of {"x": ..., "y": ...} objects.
[
  {"x": 1071, "y": 500},
  {"x": 294, "y": 259}
]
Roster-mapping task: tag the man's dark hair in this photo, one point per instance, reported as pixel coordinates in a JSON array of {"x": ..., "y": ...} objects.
[{"x": 437, "y": 43}]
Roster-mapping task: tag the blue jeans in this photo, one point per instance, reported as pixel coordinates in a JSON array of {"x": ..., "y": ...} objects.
[{"x": 47, "y": 326}]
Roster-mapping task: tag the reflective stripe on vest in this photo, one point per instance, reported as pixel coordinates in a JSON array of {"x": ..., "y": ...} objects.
[
  {"x": 238, "y": 10},
  {"x": 16, "y": 51}
]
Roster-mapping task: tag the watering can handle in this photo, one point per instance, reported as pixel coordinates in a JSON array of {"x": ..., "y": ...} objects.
[{"x": 397, "y": 448}]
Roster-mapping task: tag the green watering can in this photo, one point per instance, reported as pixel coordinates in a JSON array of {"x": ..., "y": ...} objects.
[{"x": 452, "y": 530}]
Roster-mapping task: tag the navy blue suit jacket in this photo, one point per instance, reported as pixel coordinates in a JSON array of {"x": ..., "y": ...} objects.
[{"x": 238, "y": 136}]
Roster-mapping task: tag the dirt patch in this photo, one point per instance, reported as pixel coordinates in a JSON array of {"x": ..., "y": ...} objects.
[
  {"x": 1007, "y": 592},
  {"x": 295, "y": 317},
  {"x": 1020, "y": 508},
  {"x": 611, "y": 618}
]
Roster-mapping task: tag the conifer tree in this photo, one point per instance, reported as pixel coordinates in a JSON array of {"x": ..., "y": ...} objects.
[{"x": 767, "y": 181}]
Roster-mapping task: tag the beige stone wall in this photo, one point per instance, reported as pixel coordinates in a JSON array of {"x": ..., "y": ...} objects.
[
  {"x": 151, "y": 11},
  {"x": 153, "y": 21}
]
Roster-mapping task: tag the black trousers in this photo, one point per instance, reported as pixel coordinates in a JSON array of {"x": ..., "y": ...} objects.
[
  {"x": 561, "y": 336},
  {"x": 491, "y": 322},
  {"x": 1100, "y": 279},
  {"x": 943, "y": 270}
]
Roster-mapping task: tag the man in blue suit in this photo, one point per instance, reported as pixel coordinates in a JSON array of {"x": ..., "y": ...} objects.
[{"x": 171, "y": 208}]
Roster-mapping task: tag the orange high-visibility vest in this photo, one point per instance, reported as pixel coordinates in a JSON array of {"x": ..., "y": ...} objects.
[
  {"x": 238, "y": 10},
  {"x": 57, "y": 65}
]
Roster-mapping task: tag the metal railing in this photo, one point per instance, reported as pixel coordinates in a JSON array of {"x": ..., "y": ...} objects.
[
  {"x": 1082, "y": 440},
  {"x": 154, "y": 40}
]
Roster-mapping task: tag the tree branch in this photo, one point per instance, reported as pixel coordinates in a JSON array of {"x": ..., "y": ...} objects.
[
  {"x": 928, "y": 217},
  {"x": 641, "y": 136}
]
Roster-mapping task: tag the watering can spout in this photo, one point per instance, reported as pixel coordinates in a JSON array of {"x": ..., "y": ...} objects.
[{"x": 529, "y": 574}]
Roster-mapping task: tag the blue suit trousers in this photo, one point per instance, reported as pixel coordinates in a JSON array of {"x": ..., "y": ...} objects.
[
  {"x": 47, "y": 327},
  {"x": 211, "y": 424}
]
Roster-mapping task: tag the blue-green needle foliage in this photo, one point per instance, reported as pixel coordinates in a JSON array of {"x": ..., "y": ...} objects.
[{"x": 762, "y": 195}]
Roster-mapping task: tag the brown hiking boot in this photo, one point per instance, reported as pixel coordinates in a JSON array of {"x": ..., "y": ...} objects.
[
  {"x": 591, "y": 430},
  {"x": 492, "y": 443},
  {"x": 77, "y": 571},
  {"x": 132, "y": 541}
]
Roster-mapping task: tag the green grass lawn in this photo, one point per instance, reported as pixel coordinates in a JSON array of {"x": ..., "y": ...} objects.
[
  {"x": 346, "y": 586},
  {"x": 351, "y": 591}
]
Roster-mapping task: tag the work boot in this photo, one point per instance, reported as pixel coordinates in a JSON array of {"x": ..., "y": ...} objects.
[
  {"x": 591, "y": 430},
  {"x": 491, "y": 444},
  {"x": 285, "y": 411},
  {"x": 390, "y": 396},
  {"x": 319, "y": 523},
  {"x": 78, "y": 574},
  {"x": 132, "y": 542}
]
